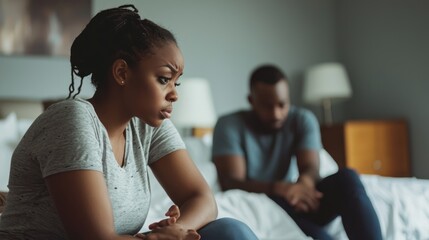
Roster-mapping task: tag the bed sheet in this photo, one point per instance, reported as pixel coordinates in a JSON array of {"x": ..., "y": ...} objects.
[
  {"x": 260, "y": 213},
  {"x": 401, "y": 205}
]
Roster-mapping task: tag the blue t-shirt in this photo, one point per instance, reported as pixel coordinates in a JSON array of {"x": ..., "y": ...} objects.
[{"x": 268, "y": 155}]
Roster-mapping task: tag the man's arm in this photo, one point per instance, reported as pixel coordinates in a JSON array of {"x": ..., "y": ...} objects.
[
  {"x": 302, "y": 195},
  {"x": 308, "y": 165},
  {"x": 232, "y": 175}
]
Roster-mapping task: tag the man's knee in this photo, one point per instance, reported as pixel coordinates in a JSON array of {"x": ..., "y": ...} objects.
[
  {"x": 347, "y": 174},
  {"x": 349, "y": 179}
]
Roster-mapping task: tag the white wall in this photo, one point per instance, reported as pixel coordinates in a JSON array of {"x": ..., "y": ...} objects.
[{"x": 221, "y": 40}]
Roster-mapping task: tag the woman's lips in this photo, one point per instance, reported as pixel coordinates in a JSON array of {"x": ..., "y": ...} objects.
[{"x": 166, "y": 113}]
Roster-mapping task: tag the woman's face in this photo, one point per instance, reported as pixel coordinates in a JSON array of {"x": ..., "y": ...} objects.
[{"x": 150, "y": 89}]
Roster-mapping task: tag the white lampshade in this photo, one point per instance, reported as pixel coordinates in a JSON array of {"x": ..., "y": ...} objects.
[
  {"x": 195, "y": 106},
  {"x": 326, "y": 81}
]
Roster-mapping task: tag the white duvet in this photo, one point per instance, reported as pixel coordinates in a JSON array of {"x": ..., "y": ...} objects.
[{"x": 400, "y": 203}]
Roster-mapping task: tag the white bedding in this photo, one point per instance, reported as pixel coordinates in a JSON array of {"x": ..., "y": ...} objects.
[{"x": 401, "y": 203}]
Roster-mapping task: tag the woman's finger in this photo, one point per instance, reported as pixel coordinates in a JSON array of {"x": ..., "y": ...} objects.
[
  {"x": 193, "y": 235},
  {"x": 163, "y": 223},
  {"x": 173, "y": 211},
  {"x": 140, "y": 235}
]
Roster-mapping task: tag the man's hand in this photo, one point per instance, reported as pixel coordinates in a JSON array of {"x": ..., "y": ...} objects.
[
  {"x": 301, "y": 195},
  {"x": 168, "y": 228}
]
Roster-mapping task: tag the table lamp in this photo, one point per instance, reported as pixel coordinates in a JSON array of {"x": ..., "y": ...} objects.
[
  {"x": 325, "y": 83},
  {"x": 194, "y": 110}
]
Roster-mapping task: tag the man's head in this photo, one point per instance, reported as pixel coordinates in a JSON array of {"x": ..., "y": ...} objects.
[{"x": 269, "y": 96}]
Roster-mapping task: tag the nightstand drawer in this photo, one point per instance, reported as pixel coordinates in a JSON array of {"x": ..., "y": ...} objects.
[{"x": 371, "y": 147}]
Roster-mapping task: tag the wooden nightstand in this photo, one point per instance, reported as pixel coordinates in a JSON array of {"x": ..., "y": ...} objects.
[{"x": 370, "y": 147}]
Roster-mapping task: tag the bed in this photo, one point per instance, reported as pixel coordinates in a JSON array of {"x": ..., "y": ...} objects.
[{"x": 400, "y": 203}]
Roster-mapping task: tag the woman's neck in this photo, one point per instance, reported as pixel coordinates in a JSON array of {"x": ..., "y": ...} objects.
[{"x": 111, "y": 114}]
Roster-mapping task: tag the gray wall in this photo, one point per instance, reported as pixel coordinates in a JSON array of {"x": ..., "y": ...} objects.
[
  {"x": 221, "y": 40},
  {"x": 224, "y": 40},
  {"x": 385, "y": 45}
]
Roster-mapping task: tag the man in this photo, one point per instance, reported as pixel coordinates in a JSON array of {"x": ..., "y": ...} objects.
[{"x": 252, "y": 151}]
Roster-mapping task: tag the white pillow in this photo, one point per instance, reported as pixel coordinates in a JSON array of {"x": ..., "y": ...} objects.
[
  {"x": 5, "y": 158},
  {"x": 8, "y": 141},
  {"x": 11, "y": 132},
  {"x": 8, "y": 129},
  {"x": 328, "y": 166},
  {"x": 22, "y": 127}
]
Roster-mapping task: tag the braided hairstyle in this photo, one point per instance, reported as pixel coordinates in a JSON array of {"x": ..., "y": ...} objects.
[{"x": 116, "y": 33}]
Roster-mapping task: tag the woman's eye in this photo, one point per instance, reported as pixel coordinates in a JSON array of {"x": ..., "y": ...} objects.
[
  {"x": 177, "y": 84},
  {"x": 164, "y": 80}
]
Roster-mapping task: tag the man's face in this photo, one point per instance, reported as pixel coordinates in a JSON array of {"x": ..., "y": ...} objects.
[{"x": 271, "y": 103}]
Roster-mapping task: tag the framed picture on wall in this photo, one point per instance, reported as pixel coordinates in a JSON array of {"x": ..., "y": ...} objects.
[{"x": 41, "y": 27}]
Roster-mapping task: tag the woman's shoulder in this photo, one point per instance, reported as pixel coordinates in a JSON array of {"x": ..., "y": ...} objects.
[
  {"x": 70, "y": 106},
  {"x": 70, "y": 113}
]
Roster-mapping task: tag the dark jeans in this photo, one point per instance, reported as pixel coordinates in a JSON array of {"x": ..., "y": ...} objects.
[
  {"x": 226, "y": 229},
  {"x": 345, "y": 196}
]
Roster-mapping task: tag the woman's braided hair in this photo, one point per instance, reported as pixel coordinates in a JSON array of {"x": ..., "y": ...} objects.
[{"x": 116, "y": 33}]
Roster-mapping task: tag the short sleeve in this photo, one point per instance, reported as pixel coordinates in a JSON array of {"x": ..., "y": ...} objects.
[
  {"x": 165, "y": 139},
  {"x": 308, "y": 131},
  {"x": 64, "y": 138},
  {"x": 227, "y": 137}
]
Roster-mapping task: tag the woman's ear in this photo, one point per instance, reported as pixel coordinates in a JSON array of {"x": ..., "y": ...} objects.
[{"x": 120, "y": 71}]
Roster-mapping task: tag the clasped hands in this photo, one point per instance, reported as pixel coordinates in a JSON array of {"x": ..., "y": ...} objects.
[
  {"x": 168, "y": 228},
  {"x": 302, "y": 195}
]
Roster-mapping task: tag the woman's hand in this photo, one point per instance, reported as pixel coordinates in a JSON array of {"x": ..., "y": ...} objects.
[
  {"x": 169, "y": 229},
  {"x": 171, "y": 232},
  {"x": 173, "y": 214}
]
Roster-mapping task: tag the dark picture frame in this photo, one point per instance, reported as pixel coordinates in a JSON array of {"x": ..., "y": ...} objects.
[{"x": 41, "y": 27}]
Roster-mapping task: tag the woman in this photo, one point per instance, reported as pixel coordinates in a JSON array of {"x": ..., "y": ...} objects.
[{"x": 80, "y": 172}]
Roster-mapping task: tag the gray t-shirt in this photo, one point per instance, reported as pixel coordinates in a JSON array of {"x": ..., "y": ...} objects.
[
  {"x": 69, "y": 136},
  {"x": 267, "y": 155}
]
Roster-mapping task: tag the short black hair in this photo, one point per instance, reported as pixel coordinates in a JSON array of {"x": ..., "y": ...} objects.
[
  {"x": 116, "y": 33},
  {"x": 269, "y": 74}
]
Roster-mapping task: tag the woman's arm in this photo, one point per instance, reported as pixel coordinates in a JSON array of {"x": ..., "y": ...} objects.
[
  {"x": 185, "y": 185},
  {"x": 83, "y": 204}
]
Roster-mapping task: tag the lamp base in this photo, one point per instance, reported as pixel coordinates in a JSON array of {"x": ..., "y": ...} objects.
[{"x": 327, "y": 111}]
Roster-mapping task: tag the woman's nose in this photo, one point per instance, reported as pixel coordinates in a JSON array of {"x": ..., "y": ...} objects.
[{"x": 173, "y": 96}]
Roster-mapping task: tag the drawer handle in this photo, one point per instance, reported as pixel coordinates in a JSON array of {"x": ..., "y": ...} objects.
[{"x": 377, "y": 165}]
